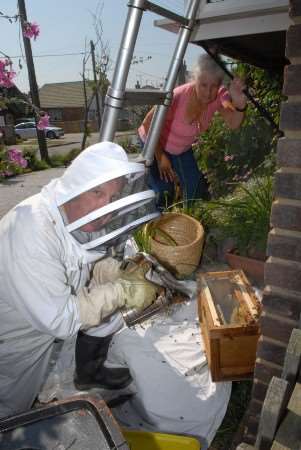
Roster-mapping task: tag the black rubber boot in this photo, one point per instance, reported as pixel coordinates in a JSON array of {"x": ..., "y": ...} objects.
[{"x": 90, "y": 355}]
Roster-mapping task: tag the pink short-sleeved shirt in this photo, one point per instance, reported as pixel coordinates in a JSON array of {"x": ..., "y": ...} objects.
[{"x": 178, "y": 134}]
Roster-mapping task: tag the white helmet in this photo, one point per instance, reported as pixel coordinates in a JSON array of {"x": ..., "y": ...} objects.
[{"x": 102, "y": 197}]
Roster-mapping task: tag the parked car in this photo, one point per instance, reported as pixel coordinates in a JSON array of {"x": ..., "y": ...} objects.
[
  {"x": 24, "y": 119},
  {"x": 27, "y": 130}
]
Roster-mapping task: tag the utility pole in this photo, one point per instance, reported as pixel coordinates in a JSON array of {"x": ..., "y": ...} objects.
[
  {"x": 34, "y": 92},
  {"x": 96, "y": 83},
  {"x": 86, "y": 116}
]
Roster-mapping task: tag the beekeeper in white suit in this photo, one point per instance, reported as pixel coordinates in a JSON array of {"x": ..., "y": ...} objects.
[{"x": 56, "y": 278}]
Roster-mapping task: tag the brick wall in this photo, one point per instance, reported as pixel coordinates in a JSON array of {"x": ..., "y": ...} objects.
[
  {"x": 72, "y": 120},
  {"x": 282, "y": 293},
  {"x": 70, "y": 114}
]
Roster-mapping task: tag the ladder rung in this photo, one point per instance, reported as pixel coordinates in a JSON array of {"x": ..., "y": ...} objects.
[
  {"x": 144, "y": 97},
  {"x": 166, "y": 13}
]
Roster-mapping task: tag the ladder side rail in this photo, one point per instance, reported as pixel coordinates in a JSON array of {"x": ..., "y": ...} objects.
[
  {"x": 160, "y": 112},
  {"x": 115, "y": 93}
]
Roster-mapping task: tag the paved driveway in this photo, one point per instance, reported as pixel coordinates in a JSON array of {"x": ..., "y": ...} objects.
[{"x": 14, "y": 190}]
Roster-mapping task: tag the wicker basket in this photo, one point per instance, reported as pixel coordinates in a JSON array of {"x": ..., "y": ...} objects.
[{"x": 183, "y": 256}]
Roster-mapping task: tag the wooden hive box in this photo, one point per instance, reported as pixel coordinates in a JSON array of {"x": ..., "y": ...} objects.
[{"x": 229, "y": 312}]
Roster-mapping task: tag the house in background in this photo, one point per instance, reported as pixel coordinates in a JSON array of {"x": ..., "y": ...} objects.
[{"x": 65, "y": 104}]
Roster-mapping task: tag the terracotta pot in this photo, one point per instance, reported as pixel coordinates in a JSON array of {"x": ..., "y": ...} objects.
[{"x": 253, "y": 268}]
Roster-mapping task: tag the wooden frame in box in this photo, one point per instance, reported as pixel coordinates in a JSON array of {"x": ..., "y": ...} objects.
[{"x": 230, "y": 344}]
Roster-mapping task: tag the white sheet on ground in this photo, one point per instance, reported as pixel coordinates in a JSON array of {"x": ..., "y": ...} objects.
[
  {"x": 175, "y": 393},
  {"x": 172, "y": 386}
]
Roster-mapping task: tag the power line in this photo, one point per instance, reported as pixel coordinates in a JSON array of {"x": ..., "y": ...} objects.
[
  {"x": 51, "y": 55},
  {"x": 77, "y": 54},
  {"x": 150, "y": 74},
  {"x": 48, "y": 55}
]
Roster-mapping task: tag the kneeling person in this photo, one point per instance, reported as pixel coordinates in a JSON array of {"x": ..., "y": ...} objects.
[{"x": 55, "y": 277}]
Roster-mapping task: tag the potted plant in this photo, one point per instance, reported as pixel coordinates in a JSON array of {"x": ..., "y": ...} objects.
[{"x": 244, "y": 217}]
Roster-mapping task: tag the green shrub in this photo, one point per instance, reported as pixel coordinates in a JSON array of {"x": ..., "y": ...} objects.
[
  {"x": 33, "y": 162},
  {"x": 70, "y": 156},
  {"x": 230, "y": 156},
  {"x": 30, "y": 154},
  {"x": 40, "y": 164},
  {"x": 126, "y": 143},
  {"x": 57, "y": 160},
  {"x": 64, "y": 160},
  {"x": 243, "y": 216}
]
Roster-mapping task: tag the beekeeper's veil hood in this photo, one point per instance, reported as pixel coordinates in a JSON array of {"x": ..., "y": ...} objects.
[{"x": 102, "y": 196}]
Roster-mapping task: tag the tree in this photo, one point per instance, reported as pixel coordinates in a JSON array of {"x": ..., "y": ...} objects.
[
  {"x": 103, "y": 65},
  {"x": 7, "y": 74},
  {"x": 28, "y": 32},
  {"x": 100, "y": 83}
]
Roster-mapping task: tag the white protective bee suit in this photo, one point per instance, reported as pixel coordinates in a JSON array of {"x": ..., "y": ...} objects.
[{"x": 45, "y": 266}]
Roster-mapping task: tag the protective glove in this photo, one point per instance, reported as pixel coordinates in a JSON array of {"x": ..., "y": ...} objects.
[
  {"x": 99, "y": 302},
  {"x": 104, "y": 271},
  {"x": 138, "y": 292},
  {"x": 131, "y": 289}
]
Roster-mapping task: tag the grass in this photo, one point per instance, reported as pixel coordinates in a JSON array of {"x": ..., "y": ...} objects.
[
  {"x": 25, "y": 143},
  {"x": 243, "y": 215},
  {"x": 35, "y": 163},
  {"x": 144, "y": 234},
  {"x": 64, "y": 160},
  {"x": 239, "y": 400}
]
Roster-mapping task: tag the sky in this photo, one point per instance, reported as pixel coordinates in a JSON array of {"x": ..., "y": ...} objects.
[{"x": 66, "y": 27}]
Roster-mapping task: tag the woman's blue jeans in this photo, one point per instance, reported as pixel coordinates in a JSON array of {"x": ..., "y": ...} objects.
[{"x": 192, "y": 181}]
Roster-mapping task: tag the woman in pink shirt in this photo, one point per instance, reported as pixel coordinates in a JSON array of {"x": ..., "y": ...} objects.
[{"x": 190, "y": 113}]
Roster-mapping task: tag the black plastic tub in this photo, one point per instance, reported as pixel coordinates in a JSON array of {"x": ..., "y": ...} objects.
[{"x": 74, "y": 424}]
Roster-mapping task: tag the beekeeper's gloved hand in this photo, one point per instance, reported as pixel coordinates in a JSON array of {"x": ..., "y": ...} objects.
[
  {"x": 138, "y": 292},
  {"x": 131, "y": 289},
  {"x": 104, "y": 271},
  {"x": 98, "y": 302}
]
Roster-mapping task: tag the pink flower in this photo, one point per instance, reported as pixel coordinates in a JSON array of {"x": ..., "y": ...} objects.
[
  {"x": 43, "y": 122},
  {"x": 4, "y": 63},
  {"x": 23, "y": 163},
  {"x": 229, "y": 158},
  {"x": 31, "y": 29},
  {"x": 6, "y": 74},
  {"x": 15, "y": 156}
]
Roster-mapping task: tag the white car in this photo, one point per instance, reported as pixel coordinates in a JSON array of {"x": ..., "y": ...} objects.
[{"x": 27, "y": 130}]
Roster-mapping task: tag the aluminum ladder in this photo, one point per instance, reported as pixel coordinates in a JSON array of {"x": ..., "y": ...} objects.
[{"x": 118, "y": 96}]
